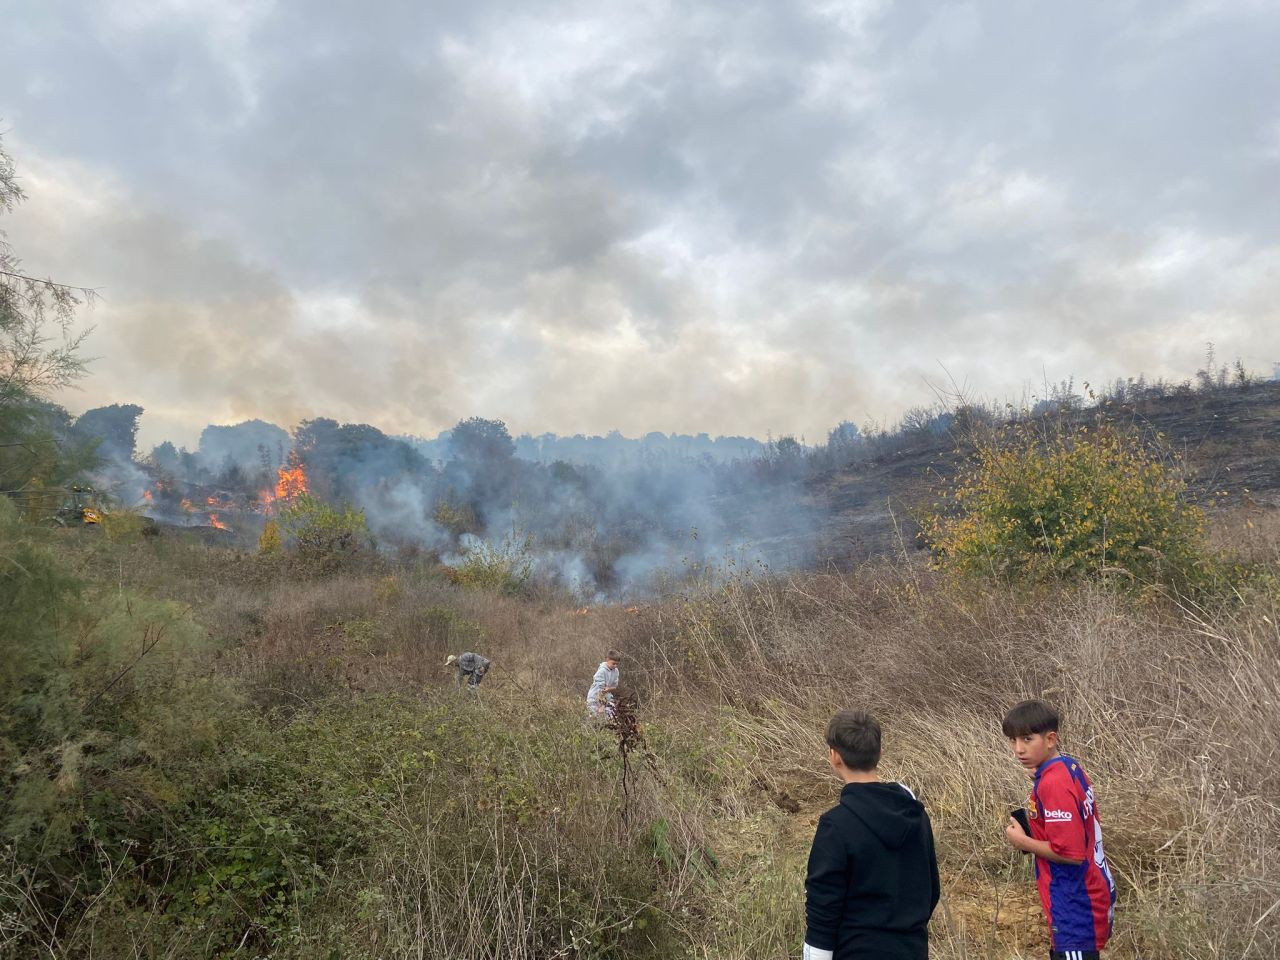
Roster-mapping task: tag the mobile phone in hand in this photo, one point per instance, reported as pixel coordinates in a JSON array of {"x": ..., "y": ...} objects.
[{"x": 1019, "y": 814}]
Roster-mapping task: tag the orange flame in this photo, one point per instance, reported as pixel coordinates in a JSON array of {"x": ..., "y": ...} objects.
[
  {"x": 292, "y": 481},
  {"x": 187, "y": 505},
  {"x": 212, "y": 501},
  {"x": 215, "y": 522},
  {"x": 146, "y": 495}
]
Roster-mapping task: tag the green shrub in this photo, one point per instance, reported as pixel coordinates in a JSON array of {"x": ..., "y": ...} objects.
[
  {"x": 503, "y": 567},
  {"x": 122, "y": 525},
  {"x": 1093, "y": 503},
  {"x": 321, "y": 532},
  {"x": 94, "y": 690},
  {"x": 41, "y": 620},
  {"x": 458, "y": 520}
]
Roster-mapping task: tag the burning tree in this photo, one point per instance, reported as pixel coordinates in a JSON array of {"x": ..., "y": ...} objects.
[{"x": 292, "y": 479}]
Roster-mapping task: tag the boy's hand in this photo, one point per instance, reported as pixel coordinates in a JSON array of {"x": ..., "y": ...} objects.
[{"x": 1016, "y": 835}]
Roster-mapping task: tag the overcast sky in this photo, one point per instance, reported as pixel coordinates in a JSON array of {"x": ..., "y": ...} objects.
[{"x": 733, "y": 217}]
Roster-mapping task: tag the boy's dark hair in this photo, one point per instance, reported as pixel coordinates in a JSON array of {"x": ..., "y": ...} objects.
[
  {"x": 856, "y": 737},
  {"x": 613, "y": 655},
  {"x": 1030, "y": 716}
]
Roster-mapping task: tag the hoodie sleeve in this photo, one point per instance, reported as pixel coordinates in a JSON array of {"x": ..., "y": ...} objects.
[
  {"x": 933, "y": 865},
  {"x": 825, "y": 886}
]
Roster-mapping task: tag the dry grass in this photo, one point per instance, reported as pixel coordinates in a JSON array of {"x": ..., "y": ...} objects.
[
  {"x": 1251, "y": 531},
  {"x": 1173, "y": 710},
  {"x": 1173, "y": 713}
]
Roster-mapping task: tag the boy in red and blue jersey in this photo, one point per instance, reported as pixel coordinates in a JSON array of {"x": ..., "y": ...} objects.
[{"x": 1076, "y": 889}]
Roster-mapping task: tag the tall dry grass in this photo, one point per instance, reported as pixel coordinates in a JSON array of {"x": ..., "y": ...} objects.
[{"x": 1171, "y": 708}]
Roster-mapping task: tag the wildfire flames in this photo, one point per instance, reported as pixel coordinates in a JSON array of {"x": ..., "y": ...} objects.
[
  {"x": 211, "y": 508},
  {"x": 292, "y": 481}
]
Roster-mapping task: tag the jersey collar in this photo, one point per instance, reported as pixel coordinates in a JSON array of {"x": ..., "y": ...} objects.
[{"x": 1045, "y": 766}]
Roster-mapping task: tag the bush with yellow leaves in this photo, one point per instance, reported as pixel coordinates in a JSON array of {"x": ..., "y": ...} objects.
[
  {"x": 270, "y": 542},
  {"x": 1093, "y": 502}
]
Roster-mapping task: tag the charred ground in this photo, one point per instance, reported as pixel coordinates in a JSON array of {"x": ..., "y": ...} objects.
[{"x": 1227, "y": 440}]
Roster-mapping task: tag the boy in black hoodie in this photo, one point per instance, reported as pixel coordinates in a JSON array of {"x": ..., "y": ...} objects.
[{"x": 873, "y": 874}]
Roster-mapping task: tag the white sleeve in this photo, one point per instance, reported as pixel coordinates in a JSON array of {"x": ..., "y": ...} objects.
[{"x": 813, "y": 953}]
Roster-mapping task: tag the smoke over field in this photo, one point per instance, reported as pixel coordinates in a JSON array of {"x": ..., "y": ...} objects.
[
  {"x": 600, "y": 516},
  {"x": 609, "y": 516}
]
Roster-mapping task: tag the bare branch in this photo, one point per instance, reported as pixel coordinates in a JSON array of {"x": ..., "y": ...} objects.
[{"x": 46, "y": 282}]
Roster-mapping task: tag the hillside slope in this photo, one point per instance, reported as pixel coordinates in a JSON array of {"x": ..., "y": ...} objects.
[{"x": 1229, "y": 440}]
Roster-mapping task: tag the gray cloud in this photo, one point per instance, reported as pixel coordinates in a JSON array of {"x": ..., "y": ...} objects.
[{"x": 725, "y": 217}]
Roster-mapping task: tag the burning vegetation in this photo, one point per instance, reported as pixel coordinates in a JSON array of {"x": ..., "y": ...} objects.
[
  {"x": 178, "y": 501},
  {"x": 594, "y": 532},
  {"x": 292, "y": 480},
  {"x": 608, "y": 532}
]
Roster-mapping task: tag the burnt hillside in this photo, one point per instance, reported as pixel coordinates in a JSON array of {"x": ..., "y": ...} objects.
[{"x": 1229, "y": 440}]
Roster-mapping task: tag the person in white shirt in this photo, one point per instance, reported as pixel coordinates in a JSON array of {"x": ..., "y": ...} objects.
[{"x": 603, "y": 684}]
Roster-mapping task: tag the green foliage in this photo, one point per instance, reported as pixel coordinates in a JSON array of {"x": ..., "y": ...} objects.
[
  {"x": 252, "y": 849},
  {"x": 40, "y": 617},
  {"x": 483, "y": 443},
  {"x": 116, "y": 427},
  {"x": 38, "y": 457},
  {"x": 93, "y": 691},
  {"x": 39, "y": 353},
  {"x": 329, "y": 450},
  {"x": 510, "y": 807},
  {"x": 320, "y": 531},
  {"x": 503, "y": 567},
  {"x": 33, "y": 359},
  {"x": 1092, "y": 503},
  {"x": 456, "y": 519},
  {"x": 469, "y": 810},
  {"x": 123, "y": 525}
]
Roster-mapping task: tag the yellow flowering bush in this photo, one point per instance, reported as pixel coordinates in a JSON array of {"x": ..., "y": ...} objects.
[{"x": 1094, "y": 502}]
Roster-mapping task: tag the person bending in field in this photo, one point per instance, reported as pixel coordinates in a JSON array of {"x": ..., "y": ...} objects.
[
  {"x": 471, "y": 667},
  {"x": 603, "y": 685},
  {"x": 1076, "y": 889},
  {"x": 873, "y": 873}
]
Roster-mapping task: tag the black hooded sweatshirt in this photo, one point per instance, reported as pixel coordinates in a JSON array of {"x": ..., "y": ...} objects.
[{"x": 873, "y": 876}]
